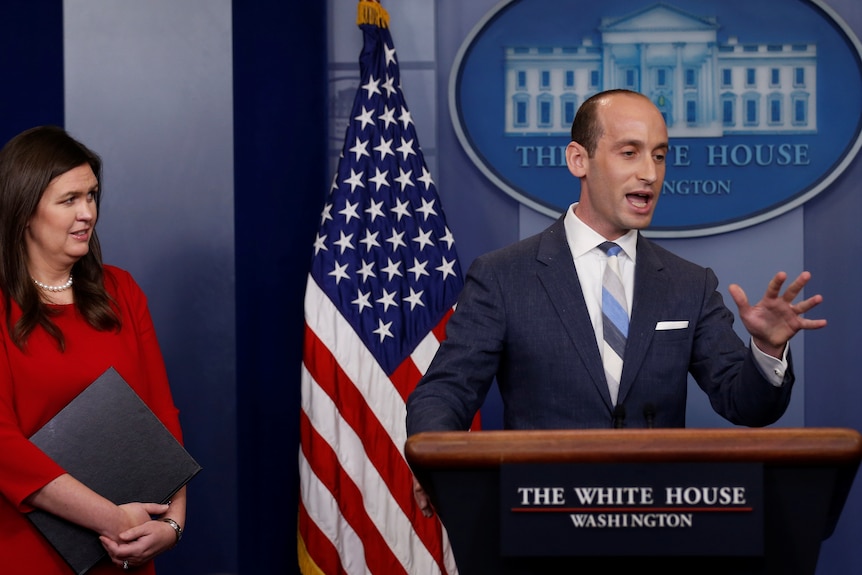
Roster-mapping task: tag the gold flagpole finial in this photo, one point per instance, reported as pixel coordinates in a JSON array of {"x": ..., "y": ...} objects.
[{"x": 371, "y": 12}]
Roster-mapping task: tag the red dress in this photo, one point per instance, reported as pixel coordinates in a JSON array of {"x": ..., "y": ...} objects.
[{"x": 37, "y": 383}]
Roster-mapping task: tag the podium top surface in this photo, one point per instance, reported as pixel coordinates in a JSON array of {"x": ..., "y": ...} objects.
[{"x": 799, "y": 446}]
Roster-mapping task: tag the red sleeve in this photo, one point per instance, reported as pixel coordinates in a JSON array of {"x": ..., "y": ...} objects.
[{"x": 24, "y": 469}]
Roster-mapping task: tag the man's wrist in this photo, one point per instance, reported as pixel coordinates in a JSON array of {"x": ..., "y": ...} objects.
[{"x": 776, "y": 352}]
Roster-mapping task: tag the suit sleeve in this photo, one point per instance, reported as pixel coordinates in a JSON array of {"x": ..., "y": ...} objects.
[
  {"x": 458, "y": 379},
  {"x": 726, "y": 370}
]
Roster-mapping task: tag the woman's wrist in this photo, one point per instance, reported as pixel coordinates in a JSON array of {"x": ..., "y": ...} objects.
[{"x": 178, "y": 530}]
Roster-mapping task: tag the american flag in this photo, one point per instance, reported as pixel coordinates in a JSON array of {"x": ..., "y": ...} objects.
[{"x": 384, "y": 280}]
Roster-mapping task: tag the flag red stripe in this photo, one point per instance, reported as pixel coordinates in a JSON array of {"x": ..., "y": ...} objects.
[
  {"x": 324, "y": 462},
  {"x": 407, "y": 375},
  {"x": 379, "y": 449},
  {"x": 405, "y": 378},
  {"x": 320, "y": 549},
  {"x": 439, "y": 330}
]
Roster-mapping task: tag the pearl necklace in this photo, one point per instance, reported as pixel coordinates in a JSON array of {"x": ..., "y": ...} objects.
[{"x": 46, "y": 287}]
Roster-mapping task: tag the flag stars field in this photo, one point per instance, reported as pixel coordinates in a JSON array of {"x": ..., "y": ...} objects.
[{"x": 384, "y": 218}]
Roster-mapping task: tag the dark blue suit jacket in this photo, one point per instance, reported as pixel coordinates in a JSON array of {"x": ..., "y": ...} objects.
[{"x": 521, "y": 318}]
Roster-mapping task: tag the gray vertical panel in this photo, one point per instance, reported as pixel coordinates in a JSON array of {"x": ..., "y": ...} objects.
[{"x": 149, "y": 87}]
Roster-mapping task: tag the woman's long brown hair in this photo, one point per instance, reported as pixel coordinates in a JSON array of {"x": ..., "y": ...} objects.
[{"x": 28, "y": 164}]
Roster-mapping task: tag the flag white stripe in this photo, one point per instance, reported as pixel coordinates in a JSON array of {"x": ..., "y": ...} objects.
[
  {"x": 323, "y": 510},
  {"x": 380, "y": 505},
  {"x": 424, "y": 352}
]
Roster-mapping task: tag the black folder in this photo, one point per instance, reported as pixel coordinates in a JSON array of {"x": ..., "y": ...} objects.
[{"x": 109, "y": 440}]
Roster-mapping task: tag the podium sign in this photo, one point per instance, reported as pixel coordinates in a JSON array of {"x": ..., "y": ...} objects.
[
  {"x": 587, "y": 509},
  {"x": 804, "y": 474}
]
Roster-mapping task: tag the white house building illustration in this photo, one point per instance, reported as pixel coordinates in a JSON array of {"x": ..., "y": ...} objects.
[{"x": 703, "y": 88}]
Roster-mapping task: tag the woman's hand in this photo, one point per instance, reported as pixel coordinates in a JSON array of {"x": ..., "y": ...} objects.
[{"x": 145, "y": 539}]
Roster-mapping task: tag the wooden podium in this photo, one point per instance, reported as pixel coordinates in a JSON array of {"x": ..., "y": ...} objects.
[{"x": 807, "y": 474}]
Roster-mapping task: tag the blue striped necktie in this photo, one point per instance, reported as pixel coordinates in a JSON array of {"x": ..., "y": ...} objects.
[{"x": 615, "y": 319}]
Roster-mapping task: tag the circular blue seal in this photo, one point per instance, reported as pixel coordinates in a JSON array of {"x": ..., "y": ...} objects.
[{"x": 763, "y": 113}]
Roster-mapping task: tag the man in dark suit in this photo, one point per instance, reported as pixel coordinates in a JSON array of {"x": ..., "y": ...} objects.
[{"x": 531, "y": 314}]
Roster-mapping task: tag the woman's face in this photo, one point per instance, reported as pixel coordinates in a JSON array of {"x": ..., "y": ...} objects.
[{"x": 59, "y": 232}]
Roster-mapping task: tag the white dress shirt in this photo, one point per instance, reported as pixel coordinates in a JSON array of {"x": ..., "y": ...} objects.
[{"x": 590, "y": 264}]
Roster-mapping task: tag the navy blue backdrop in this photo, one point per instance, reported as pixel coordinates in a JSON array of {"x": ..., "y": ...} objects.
[
  {"x": 281, "y": 180},
  {"x": 31, "y": 57}
]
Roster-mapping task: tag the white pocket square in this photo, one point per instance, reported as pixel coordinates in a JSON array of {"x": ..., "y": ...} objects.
[{"x": 666, "y": 325}]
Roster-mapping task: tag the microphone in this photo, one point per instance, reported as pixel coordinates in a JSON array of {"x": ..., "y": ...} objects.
[
  {"x": 649, "y": 415},
  {"x": 619, "y": 417}
]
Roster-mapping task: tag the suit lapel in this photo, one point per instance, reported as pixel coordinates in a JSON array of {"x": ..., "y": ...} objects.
[
  {"x": 560, "y": 280},
  {"x": 647, "y": 306}
]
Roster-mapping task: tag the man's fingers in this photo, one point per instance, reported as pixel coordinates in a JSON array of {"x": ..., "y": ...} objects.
[
  {"x": 813, "y": 323},
  {"x": 422, "y": 499},
  {"x": 738, "y": 295},
  {"x": 809, "y": 303},
  {"x": 796, "y": 286},
  {"x": 773, "y": 289}
]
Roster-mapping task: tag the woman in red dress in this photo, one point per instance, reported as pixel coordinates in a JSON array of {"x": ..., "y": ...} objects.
[{"x": 66, "y": 318}]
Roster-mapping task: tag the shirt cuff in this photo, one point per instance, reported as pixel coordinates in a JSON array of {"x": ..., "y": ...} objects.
[{"x": 771, "y": 368}]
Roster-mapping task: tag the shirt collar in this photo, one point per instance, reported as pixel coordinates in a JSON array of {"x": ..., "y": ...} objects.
[{"x": 582, "y": 238}]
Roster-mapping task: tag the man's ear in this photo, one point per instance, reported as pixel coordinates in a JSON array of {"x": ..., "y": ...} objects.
[{"x": 577, "y": 159}]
